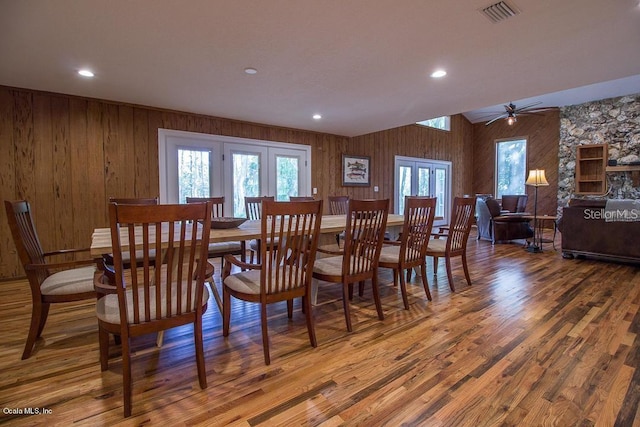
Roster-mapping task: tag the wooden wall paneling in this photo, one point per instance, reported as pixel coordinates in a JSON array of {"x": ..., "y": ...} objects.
[
  {"x": 97, "y": 170},
  {"x": 118, "y": 151},
  {"x": 155, "y": 123},
  {"x": 115, "y": 163},
  {"x": 42, "y": 199},
  {"x": 62, "y": 190},
  {"x": 24, "y": 145},
  {"x": 140, "y": 147},
  {"x": 80, "y": 164},
  {"x": 126, "y": 146},
  {"x": 9, "y": 262},
  {"x": 198, "y": 123}
]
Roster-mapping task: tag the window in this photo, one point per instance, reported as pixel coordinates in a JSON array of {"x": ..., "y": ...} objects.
[
  {"x": 511, "y": 166},
  {"x": 442, "y": 123}
]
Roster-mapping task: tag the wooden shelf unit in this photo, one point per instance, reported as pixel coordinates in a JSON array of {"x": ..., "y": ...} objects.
[{"x": 591, "y": 165}]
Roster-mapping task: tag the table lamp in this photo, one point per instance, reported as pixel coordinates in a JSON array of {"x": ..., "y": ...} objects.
[{"x": 536, "y": 179}]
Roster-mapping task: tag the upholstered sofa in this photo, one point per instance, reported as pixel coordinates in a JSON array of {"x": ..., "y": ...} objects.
[
  {"x": 499, "y": 225},
  {"x": 587, "y": 233}
]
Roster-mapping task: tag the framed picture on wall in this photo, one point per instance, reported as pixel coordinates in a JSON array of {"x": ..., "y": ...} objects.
[{"x": 356, "y": 170}]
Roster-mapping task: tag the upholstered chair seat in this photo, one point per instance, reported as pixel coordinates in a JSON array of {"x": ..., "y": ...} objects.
[
  {"x": 108, "y": 310},
  {"x": 77, "y": 280}
]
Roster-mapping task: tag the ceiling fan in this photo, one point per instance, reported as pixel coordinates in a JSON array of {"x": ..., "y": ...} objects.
[{"x": 511, "y": 111}]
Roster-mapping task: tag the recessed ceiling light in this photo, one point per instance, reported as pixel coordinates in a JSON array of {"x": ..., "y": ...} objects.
[
  {"x": 438, "y": 73},
  {"x": 317, "y": 116},
  {"x": 250, "y": 70},
  {"x": 86, "y": 73}
]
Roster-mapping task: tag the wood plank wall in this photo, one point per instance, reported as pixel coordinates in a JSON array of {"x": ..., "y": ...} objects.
[
  {"x": 416, "y": 141},
  {"x": 67, "y": 155},
  {"x": 543, "y": 134}
]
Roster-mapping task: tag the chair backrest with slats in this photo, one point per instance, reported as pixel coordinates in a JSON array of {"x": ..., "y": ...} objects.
[
  {"x": 464, "y": 209},
  {"x": 294, "y": 228},
  {"x": 26, "y": 239},
  {"x": 366, "y": 223},
  {"x": 167, "y": 273},
  {"x": 338, "y": 205},
  {"x": 217, "y": 210},
  {"x": 253, "y": 206},
  {"x": 419, "y": 213}
]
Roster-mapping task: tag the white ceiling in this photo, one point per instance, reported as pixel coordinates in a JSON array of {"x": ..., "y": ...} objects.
[{"x": 363, "y": 64}]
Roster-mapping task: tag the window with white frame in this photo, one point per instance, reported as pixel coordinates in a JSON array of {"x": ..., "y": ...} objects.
[{"x": 511, "y": 166}]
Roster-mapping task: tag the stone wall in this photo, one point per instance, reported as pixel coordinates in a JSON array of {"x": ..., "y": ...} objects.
[{"x": 615, "y": 121}]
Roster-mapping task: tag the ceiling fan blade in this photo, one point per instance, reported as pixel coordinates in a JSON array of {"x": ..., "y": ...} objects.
[
  {"x": 539, "y": 110},
  {"x": 501, "y": 116},
  {"x": 528, "y": 106}
]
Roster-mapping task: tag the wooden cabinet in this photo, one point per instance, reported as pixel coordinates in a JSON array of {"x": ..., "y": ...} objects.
[{"x": 591, "y": 165}]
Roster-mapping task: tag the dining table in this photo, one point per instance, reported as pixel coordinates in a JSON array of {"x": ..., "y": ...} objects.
[{"x": 331, "y": 224}]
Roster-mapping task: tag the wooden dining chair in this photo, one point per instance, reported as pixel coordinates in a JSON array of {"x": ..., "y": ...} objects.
[
  {"x": 286, "y": 270},
  {"x": 358, "y": 261},
  {"x": 454, "y": 242},
  {"x": 162, "y": 289},
  {"x": 338, "y": 205},
  {"x": 410, "y": 251},
  {"x": 220, "y": 249},
  {"x": 107, "y": 259},
  {"x": 253, "y": 210},
  {"x": 50, "y": 281}
]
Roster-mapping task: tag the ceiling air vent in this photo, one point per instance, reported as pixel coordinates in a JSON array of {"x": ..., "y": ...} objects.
[{"x": 500, "y": 11}]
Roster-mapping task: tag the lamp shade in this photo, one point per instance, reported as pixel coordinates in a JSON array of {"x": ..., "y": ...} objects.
[{"x": 536, "y": 178}]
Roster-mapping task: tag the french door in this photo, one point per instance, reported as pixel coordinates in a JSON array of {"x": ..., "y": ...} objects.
[
  {"x": 423, "y": 177},
  {"x": 201, "y": 165}
]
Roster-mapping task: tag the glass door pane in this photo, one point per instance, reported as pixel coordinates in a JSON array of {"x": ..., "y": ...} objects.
[
  {"x": 245, "y": 180},
  {"x": 287, "y": 171},
  {"x": 424, "y": 180},
  {"x": 245, "y": 175},
  {"x": 194, "y": 177},
  {"x": 440, "y": 192},
  {"x": 404, "y": 185}
]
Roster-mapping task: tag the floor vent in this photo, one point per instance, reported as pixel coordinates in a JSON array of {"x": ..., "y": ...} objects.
[{"x": 500, "y": 11}]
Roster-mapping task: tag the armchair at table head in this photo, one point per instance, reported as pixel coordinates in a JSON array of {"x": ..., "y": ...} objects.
[{"x": 50, "y": 282}]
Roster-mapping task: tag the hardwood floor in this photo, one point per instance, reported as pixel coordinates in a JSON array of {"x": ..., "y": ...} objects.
[{"x": 536, "y": 341}]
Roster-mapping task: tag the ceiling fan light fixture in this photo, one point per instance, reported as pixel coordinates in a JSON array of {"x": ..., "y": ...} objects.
[{"x": 511, "y": 119}]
